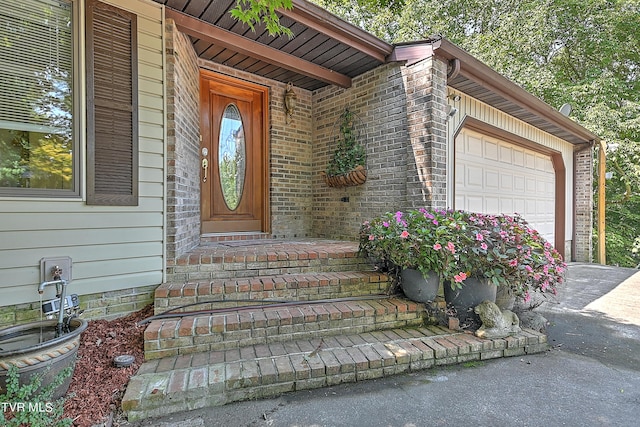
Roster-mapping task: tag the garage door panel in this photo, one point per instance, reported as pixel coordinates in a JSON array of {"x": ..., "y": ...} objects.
[
  {"x": 506, "y": 181},
  {"x": 541, "y": 163},
  {"x": 506, "y": 205},
  {"x": 491, "y": 150},
  {"x": 530, "y": 160},
  {"x": 531, "y": 186},
  {"x": 473, "y": 146},
  {"x": 474, "y": 176},
  {"x": 550, "y": 187},
  {"x": 518, "y": 157},
  {"x": 501, "y": 177},
  {"x": 460, "y": 173},
  {"x": 492, "y": 179},
  {"x": 519, "y": 206},
  {"x": 474, "y": 204},
  {"x": 506, "y": 154},
  {"x": 491, "y": 205}
]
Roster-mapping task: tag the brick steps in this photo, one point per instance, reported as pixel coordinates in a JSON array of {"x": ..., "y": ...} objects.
[
  {"x": 298, "y": 287},
  {"x": 262, "y": 257},
  {"x": 191, "y": 381},
  {"x": 338, "y": 325},
  {"x": 236, "y": 327}
]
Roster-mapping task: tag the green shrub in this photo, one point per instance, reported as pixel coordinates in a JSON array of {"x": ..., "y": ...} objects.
[{"x": 32, "y": 404}]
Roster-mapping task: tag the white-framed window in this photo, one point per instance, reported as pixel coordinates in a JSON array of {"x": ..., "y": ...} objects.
[{"x": 38, "y": 109}]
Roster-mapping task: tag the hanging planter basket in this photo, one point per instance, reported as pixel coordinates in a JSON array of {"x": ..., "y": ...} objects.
[
  {"x": 358, "y": 176},
  {"x": 347, "y": 166}
]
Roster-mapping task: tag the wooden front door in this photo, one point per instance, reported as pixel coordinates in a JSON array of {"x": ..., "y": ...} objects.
[{"x": 233, "y": 155}]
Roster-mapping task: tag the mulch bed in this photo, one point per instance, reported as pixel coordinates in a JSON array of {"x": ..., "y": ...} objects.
[{"x": 97, "y": 386}]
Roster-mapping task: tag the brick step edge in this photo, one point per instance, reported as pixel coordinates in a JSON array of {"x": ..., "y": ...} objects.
[
  {"x": 187, "y": 382},
  {"x": 297, "y": 286},
  {"x": 237, "y": 328},
  {"x": 230, "y": 264}
]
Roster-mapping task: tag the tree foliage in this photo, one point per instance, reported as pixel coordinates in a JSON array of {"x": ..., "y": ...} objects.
[
  {"x": 582, "y": 52},
  {"x": 264, "y": 12}
]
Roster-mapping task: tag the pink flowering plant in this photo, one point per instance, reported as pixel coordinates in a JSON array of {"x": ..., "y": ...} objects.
[
  {"x": 511, "y": 253},
  {"x": 502, "y": 249},
  {"x": 426, "y": 240}
]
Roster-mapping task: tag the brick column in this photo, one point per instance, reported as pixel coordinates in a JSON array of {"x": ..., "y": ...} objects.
[
  {"x": 183, "y": 143},
  {"x": 426, "y": 89},
  {"x": 583, "y": 185}
]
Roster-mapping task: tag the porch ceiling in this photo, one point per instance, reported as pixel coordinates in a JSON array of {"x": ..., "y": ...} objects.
[{"x": 324, "y": 50}]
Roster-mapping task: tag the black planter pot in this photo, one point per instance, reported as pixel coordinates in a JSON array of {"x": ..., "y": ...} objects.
[
  {"x": 472, "y": 293},
  {"x": 418, "y": 287}
]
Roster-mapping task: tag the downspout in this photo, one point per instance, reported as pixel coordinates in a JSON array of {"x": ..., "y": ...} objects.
[
  {"x": 164, "y": 145},
  {"x": 586, "y": 146},
  {"x": 602, "y": 170},
  {"x": 453, "y": 69}
]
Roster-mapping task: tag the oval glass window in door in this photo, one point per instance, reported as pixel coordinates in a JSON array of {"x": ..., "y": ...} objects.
[{"x": 232, "y": 156}]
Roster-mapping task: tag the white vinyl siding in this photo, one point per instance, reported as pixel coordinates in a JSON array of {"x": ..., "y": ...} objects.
[
  {"x": 111, "y": 247},
  {"x": 471, "y": 107}
]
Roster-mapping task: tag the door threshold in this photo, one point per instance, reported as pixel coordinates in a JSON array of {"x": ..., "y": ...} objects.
[{"x": 239, "y": 235}]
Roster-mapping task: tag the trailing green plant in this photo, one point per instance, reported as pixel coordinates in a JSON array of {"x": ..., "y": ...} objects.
[
  {"x": 32, "y": 404},
  {"x": 350, "y": 153}
]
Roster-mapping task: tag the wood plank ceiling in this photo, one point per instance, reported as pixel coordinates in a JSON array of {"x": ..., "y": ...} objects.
[{"x": 324, "y": 50}]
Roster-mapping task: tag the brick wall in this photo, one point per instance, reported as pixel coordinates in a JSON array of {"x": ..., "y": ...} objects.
[
  {"x": 404, "y": 111},
  {"x": 291, "y": 173},
  {"x": 105, "y": 305},
  {"x": 378, "y": 99},
  {"x": 426, "y": 83},
  {"x": 583, "y": 206},
  {"x": 183, "y": 144}
]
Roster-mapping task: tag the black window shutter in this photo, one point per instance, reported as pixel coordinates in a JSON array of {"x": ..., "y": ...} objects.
[{"x": 112, "y": 105}]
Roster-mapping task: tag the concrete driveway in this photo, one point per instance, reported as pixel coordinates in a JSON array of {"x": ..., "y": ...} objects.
[{"x": 589, "y": 377}]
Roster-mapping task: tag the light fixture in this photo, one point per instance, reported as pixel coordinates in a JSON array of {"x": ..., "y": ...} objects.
[
  {"x": 452, "y": 111},
  {"x": 454, "y": 97},
  {"x": 290, "y": 99}
]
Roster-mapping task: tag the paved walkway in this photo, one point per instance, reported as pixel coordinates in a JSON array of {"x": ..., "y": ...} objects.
[{"x": 590, "y": 377}]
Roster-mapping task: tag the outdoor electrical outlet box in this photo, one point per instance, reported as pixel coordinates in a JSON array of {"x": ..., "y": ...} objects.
[
  {"x": 48, "y": 265},
  {"x": 53, "y": 306}
]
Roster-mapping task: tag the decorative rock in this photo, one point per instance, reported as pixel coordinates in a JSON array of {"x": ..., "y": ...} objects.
[
  {"x": 496, "y": 323},
  {"x": 531, "y": 320}
]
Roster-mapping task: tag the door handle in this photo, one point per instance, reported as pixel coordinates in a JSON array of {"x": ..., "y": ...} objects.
[{"x": 205, "y": 167}]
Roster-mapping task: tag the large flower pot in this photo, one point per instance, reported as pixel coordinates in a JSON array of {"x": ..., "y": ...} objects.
[
  {"x": 472, "y": 293},
  {"x": 505, "y": 299},
  {"x": 34, "y": 349},
  {"x": 418, "y": 287}
]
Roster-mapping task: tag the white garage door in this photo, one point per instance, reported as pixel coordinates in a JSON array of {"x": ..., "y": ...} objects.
[{"x": 496, "y": 177}]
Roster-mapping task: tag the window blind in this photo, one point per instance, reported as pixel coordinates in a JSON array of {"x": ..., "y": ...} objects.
[{"x": 36, "y": 54}]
